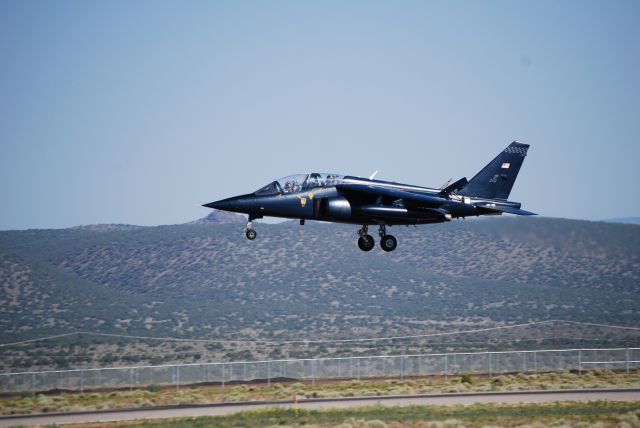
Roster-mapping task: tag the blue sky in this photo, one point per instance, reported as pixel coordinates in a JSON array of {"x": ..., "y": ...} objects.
[{"x": 139, "y": 112}]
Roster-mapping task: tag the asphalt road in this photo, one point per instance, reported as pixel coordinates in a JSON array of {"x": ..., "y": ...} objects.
[{"x": 316, "y": 404}]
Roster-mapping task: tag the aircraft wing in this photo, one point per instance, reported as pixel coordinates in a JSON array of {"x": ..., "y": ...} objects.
[
  {"x": 356, "y": 189},
  {"x": 420, "y": 200}
]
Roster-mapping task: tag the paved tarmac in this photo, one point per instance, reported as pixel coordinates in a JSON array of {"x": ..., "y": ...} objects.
[{"x": 317, "y": 404}]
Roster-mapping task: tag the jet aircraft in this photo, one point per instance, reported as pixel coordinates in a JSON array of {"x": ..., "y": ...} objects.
[{"x": 369, "y": 202}]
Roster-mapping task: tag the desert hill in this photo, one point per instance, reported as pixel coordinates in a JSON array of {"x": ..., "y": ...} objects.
[{"x": 208, "y": 280}]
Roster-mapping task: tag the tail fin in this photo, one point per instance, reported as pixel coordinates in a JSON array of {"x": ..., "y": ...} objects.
[{"x": 495, "y": 180}]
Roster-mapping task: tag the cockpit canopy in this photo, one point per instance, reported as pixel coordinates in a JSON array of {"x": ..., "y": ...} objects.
[{"x": 299, "y": 183}]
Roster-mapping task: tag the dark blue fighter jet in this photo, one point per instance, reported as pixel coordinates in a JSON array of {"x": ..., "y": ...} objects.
[{"x": 366, "y": 202}]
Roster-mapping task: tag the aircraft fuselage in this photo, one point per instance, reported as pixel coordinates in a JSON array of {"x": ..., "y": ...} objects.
[{"x": 355, "y": 200}]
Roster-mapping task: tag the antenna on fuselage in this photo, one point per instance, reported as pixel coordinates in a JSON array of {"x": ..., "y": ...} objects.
[{"x": 373, "y": 175}]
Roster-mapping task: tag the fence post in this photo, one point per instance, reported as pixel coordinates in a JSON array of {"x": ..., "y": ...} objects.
[
  {"x": 81, "y": 381},
  {"x": 535, "y": 362},
  {"x": 446, "y": 367},
  {"x": 524, "y": 362},
  {"x": 402, "y": 367},
  {"x": 33, "y": 385},
  {"x": 130, "y": 379},
  {"x": 313, "y": 372},
  {"x": 177, "y": 378},
  {"x": 579, "y": 361},
  {"x": 351, "y": 367},
  {"x": 222, "y": 374},
  {"x": 268, "y": 373},
  {"x": 358, "y": 367},
  {"x": 490, "y": 374},
  {"x": 627, "y": 360}
]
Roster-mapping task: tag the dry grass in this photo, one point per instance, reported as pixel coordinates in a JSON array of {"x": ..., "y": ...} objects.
[
  {"x": 64, "y": 402},
  {"x": 578, "y": 415}
]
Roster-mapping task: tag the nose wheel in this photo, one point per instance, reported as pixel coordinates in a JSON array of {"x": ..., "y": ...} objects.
[
  {"x": 365, "y": 242},
  {"x": 249, "y": 232}
]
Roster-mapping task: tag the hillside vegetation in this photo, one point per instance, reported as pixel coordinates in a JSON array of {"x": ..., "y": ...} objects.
[{"x": 293, "y": 282}]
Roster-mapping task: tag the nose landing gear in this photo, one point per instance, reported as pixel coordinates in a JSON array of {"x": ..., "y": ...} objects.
[{"x": 249, "y": 232}]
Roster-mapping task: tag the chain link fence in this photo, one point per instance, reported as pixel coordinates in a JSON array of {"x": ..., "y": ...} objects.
[{"x": 316, "y": 369}]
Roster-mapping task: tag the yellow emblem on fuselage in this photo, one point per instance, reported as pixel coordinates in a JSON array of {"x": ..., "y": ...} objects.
[{"x": 303, "y": 201}]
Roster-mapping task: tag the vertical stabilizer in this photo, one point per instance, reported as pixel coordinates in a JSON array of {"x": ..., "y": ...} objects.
[{"x": 495, "y": 180}]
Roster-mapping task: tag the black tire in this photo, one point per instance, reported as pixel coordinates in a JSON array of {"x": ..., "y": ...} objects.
[
  {"x": 251, "y": 234},
  {"x": 366, "y": 243},
  {"x": 388, "y": 243}
]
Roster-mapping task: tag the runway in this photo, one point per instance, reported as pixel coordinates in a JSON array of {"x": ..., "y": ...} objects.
[{"x": 217, "y": 409}]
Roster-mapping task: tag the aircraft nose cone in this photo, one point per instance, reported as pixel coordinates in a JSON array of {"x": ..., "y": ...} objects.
[
  {"x": 235, "y": 203},
  {"x": 216, "y": 205},
  {"x": 219, "y": 205}
]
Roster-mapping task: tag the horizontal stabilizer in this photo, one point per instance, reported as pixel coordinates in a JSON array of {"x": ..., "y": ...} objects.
[{"x": 505, "y": 209}]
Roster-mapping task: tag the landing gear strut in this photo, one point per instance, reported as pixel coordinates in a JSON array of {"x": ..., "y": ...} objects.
[
  {"x": 365, "y": 242},
  {"x": 387, "y": 242},
  {"x": 250, "y": 233}
]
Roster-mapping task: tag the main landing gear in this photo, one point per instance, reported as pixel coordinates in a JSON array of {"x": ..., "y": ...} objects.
[
  {"x": 387, "y": 242},
  {"x": 366, "y": 242}
]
